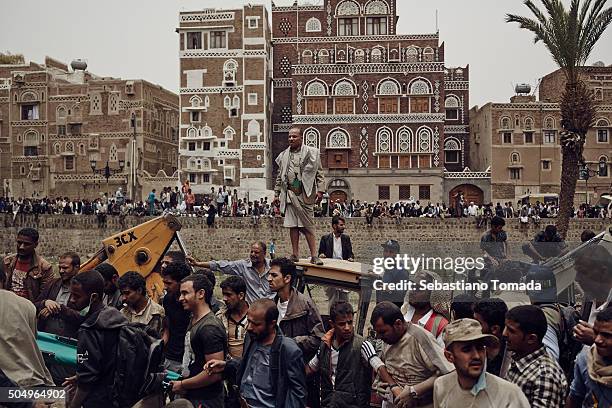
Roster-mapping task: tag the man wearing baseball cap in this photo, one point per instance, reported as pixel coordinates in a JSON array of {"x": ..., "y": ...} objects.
[
  {"x": 470, "y": 385},
  {"x": 390, "y": 249}
]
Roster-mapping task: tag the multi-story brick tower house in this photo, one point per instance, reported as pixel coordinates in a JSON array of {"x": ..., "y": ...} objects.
[
  {"x": 224, "y": 93},
  {"x": 386, "y": 114},
  {"x": 57, "y": 123},
  {"x": 519, "y": 140}
]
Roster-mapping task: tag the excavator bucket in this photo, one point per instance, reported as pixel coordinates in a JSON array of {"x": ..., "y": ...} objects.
[{"x": 138, "y": 249}]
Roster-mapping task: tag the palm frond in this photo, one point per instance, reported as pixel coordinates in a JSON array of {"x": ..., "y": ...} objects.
[{"x": 595, "y": 31}]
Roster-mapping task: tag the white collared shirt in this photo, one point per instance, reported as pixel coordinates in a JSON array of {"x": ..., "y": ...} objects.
[{"x": 337, "y": 247}]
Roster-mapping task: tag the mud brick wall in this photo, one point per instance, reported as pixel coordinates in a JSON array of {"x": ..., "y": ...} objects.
[{"x": 232, "y": 236}]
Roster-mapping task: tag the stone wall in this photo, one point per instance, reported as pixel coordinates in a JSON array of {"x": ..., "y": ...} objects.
[{"x": 231, "y": 237}]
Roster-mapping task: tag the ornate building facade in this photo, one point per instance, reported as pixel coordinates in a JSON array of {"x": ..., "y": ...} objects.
[
  {"x": 386, "y": 113},
  {"x": 56, "y": 124},
  {"x": 519, "y": 141},
  {"x": 225, "y": 98}
]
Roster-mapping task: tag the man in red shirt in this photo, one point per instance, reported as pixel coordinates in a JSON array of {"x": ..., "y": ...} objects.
[{"x": 26, "y": 272}]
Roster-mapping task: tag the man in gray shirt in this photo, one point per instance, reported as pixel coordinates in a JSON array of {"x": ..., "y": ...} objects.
[{"x": 254, "y": 271}]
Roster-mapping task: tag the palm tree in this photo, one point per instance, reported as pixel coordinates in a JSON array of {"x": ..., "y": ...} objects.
[{"x": 570, "y": 36}]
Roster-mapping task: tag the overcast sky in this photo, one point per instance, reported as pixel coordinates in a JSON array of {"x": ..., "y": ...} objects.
[{"x": 136, "y": 38}]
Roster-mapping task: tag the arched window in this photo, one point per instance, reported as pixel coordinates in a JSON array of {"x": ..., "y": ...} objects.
[
  {"x": 377, "y": 7},
  {"x": 192, "y": 132},
  {"x": 337, "y": 139},
  {"x": 404, "y": 140},
  {"x": 451, "y": 106},
  {"x": 603, "y": 166},
  {"x": 229, "y": 72},
  {"x": 348, "y": 8},
  {"x": 61, "y": 112},
  {"x": 420, "y": 87},
  {"x": 505, "y": 123},
  {"x": 57, "y": 148},
  {"x": 29, "y": 96},
  {"x": 428, "y": 54},
  {"x": 451, "y": 102},
  {"x": 515, "y": 158},
  {"x": 549, "y": 123},
  {"x": 311, "y": 137},
  {"x": 82, "y": 149},
  {"x": 603, "y": 133},
  {"x": 69, "y": 147},
  {"x": 113, "y": 102},
  {"x": 452, "y": 150},
  {"x": 602, "y": 123},
  {"x": 236, "y": 102},
  {"x": 206, "y": 132},
  {"x": 195, "y": 101},
  {"x": 30, "y": 138},
  {"x": 96, "y": 104},
  {"x": 359, "y": 56},
  {"x": 344, "y": 87},
  {"x": 323, "y": 56},
  {"x": 254, "y": 131},
  {"x": 307, "y": 57},
  {"x": 412, "y": 54},
  {"x": 313, "y": 25},
  {"x": 112, "y": 155},
  {"x": 424, "y": 140},
  {"x": 227, "y": 102},
  {"x": 384, "y": 142},
  {"x": 376, "y": 55},
  {"x": 229, "y": 133},
  {"x": 528, "y": 123},
  {"x": 316, "y": 88},
  {"x": 388, "y": 87}
]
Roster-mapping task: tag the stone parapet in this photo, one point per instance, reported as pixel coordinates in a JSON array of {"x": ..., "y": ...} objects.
[{"x": 232, "y": 236}]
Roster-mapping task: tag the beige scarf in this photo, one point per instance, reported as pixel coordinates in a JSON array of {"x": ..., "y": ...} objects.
[{"x": 599, "y": 370}]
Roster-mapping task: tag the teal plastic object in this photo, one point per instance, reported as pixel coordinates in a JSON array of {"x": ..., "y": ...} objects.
[
  {"x": 63, "y": 351},
  {"x": 172, "y": 376}
]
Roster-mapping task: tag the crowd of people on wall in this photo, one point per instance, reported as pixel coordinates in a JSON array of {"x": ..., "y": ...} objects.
[{"x": 222, "y": 203}]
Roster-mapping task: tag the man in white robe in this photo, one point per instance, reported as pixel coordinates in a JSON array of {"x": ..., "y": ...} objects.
[{"x": 299, "y": 184}]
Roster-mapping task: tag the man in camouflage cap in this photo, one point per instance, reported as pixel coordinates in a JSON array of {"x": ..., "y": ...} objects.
[{"x": 470, "y": 385}]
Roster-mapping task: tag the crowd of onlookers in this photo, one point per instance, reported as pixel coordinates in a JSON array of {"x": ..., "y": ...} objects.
[{"x": 223, "y": 202}]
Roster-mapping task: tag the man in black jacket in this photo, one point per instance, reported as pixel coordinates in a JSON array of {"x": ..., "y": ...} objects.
[
  {"x": 299, "y": 317},
  {"x": 271, "y": 370},
  {"x": 343, "y": 361},
  {"x": 336, "y": 245},
  {"x": 98, "y": 338}
]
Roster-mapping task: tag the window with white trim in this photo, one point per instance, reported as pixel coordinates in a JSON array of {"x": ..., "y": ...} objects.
[
  {"x": 313, "y": 25},
  {"x": 452, "y": 151},
  {"x": 253, "y": 99},
  {"x": 253, "y": 22},
  {"x": 217, "y": 39},
  {"x": 311, "y": 137},
  {"x": 194, "y": 40}
]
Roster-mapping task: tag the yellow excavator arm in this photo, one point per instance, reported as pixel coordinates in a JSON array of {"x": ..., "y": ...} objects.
[{"x": 139, "y": 249}]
